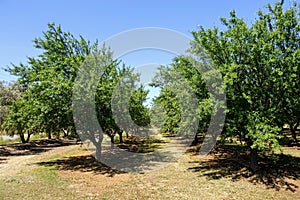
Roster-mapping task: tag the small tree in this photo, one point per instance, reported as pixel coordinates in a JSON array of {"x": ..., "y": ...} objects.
[
  {"x": 187, "y": 72},
  {"x": 23, "y": 118},
  {"x": 139, "y": 113},
  {"x": 9, "y": 92}
]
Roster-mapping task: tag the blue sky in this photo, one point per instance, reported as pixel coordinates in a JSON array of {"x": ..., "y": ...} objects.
[{"x": 22, "y": 21}]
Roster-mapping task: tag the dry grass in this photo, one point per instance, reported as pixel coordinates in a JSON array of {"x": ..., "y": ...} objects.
[
  {"x": 221, "y": 175},
  {"x": 177, "y": 181}
]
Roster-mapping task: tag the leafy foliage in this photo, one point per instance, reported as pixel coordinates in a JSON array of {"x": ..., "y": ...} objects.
[
  {"x": 48, "y": 81},
  {"x": 9, "y": 92},
  {"x": 260, "y": 68}
]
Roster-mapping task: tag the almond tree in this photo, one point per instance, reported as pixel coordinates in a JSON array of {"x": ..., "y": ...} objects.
[
  {"x": 9, "y": 93},
  {"x": 260, "y": 67},
  {"x": 48, "y": 82}
]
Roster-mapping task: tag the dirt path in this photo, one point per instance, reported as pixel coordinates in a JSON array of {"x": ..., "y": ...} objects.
[{"x": 11, "y": 165}]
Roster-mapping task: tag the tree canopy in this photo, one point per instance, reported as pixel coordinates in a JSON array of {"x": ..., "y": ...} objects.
[
  {"x": 48, "y": 82},
  {"x": 260, "y": 68}
]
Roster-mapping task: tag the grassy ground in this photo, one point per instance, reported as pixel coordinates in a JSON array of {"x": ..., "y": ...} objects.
[
  {"x": 17, "y": 140},
  {"x": 143, "y": 145},
  {"x": 70, "y": 172},
  {"x": 9, "y": 141}
]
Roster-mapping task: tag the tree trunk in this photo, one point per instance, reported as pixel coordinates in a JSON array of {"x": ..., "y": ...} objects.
[
  {"x": 22, "y": 137},
  {"x": 66, "y": 133},
  {"x": 195, "y": 141},
  {"x": 254, "y": 159},
  {"x": 99, "y": 148},
  {"x": 98, "y": 152},
  {"x": 293, "y": 131},
  {"x": 49, "y": 134},
  {"x": 112, "y": 138},
  {"x": 28, "y": 136},
  {"x": 120, "y": 133},
  {"x": 294, "y": 134}
]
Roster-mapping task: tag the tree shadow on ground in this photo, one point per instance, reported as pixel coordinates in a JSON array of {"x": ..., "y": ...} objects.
[
  {"x": 115, "y": 160},
  {"x": 233, "y": 161},
  {"x": 288, "y": 141},
  {"x": 2, "y": 160},
  {"x": 141, "y": 145},
  {"x": 84, "y": 163},
  {"x": 33, "y": 147}
]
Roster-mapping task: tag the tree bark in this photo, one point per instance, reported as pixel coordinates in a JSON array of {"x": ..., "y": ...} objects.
[
  {"x": 28, "y": 136},
  {"x": 98, "y": 152},
  {"x": 22, "y": 137},
  {"x": 294, "y": 134},
  {"x": 66, "y": 133},
  {"x": 49, "y": 134},
  {"x": 253, "y": 159},
  {"x": 293, "y": 131},
  {"x": 120, "y": 133},
  {"x": 99, "y": 148},
  {"x": 112, "y": 136},
  {"x": 195, "y": 141}
]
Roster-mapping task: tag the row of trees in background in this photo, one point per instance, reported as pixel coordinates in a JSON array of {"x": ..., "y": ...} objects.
[
  {"x": 45, "y": 104},
  {"x": 182, "y": 81},
  {"x": 9, "y": 92},
  {"x": 259, "y": 64}
]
